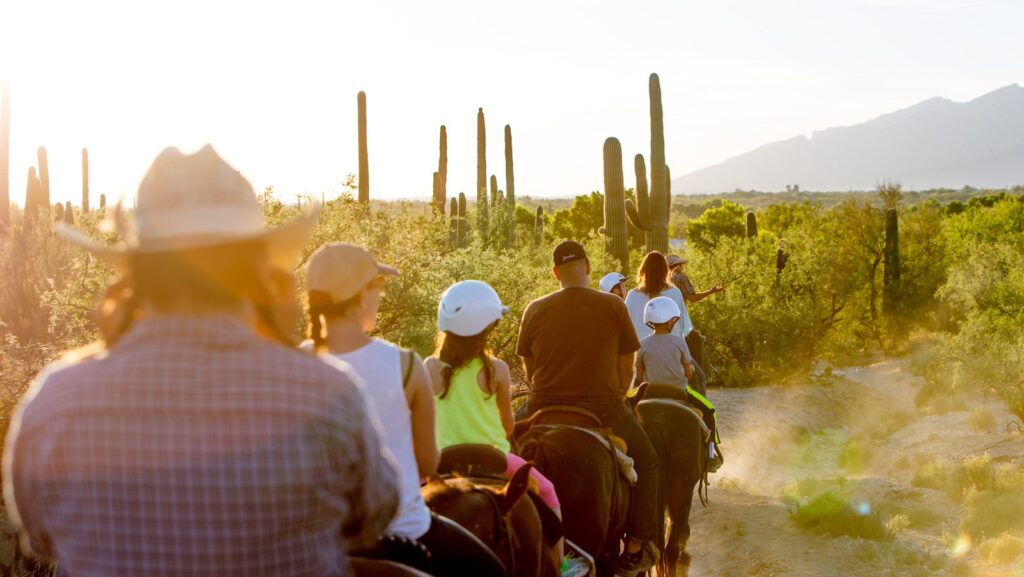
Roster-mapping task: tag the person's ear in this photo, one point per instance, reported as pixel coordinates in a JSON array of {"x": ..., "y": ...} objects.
[
  {"x": 554, "y": 271},
  {"x": 672, "y": 323},
  {"x": 587, "y": 260}
]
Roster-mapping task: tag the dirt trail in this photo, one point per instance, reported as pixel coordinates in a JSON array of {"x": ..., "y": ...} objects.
[{"x": 858, "y": 433}]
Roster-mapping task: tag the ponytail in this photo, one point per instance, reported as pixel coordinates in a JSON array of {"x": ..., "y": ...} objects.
[{"x": 455, "y": 352}]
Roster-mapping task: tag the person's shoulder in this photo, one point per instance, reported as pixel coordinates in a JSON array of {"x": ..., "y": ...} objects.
[
  {"x": 672, "y": 292},
  {"x": 63, "y": 383},
  {"x": 500, "y": 366}
]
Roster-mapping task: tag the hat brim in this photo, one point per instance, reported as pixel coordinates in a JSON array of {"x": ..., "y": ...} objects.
[{"x": 284, "y": 243}]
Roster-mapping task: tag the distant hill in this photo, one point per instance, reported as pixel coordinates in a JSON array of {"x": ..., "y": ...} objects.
[{"x": 935, "y": 144}]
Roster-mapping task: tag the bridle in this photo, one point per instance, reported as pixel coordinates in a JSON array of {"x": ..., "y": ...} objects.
[{"x": 502, "y": 534}]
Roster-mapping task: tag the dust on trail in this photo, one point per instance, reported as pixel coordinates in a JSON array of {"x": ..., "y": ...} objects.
[{"x": 858, "y": 432}]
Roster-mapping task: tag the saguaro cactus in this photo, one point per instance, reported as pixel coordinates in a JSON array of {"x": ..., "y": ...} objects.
[
  {"x": 639, "y": 212},
  {"x": 657, "y": 236},
  {"x": 442, "y": 162},
  {"x": 44, "y": 176},
  {"x": 891, "y": 262},
  {"x": 538, "y": 225},
  {"x": 616, "y": 237},
  {"x": 453, "y": 224},
  {"x": 58, "y": 212},
  {"x": 103, "y": 202},
  {"x": 494, "y": 189},
  {"x": 462, "y": 220},
  {"x": 751, "y": 224},
  {"x": 5, "y": 156},
  {"x": 69, "y": 213},
  {"x": 481, "y": 157},
  {"x": 438, "y": 196},
  {"x": 364, "y": 161},
  {"x": 33, "y": 199},
  {"x": 510, "y": 179},
  {"x": 85, "y": 180}
]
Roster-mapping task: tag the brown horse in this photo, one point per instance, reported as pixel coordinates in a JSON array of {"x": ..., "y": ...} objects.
[
  {"x": 678, "y": 434},
  {"x": 593, "y": 494},
  {"x": 519, "y": 533}
]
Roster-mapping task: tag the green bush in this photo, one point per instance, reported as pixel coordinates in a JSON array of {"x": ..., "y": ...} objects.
[{"x": 830, "y": 514}]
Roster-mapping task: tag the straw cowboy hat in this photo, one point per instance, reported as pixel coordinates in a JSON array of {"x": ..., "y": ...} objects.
[{"x": 193, "y": 201}]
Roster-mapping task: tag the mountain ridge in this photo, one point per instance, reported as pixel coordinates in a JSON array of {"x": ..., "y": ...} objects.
[{"x": 935, "y": 143}]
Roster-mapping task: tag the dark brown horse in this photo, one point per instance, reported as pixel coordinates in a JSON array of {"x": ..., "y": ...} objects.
[
  {"x": 519, "y": 533},
  {"x": 678, "y": 434},
  {"x": 593, "y": 494}
]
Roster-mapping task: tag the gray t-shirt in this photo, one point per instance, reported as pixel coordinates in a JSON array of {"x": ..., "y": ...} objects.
[{"x": 662, "y": 358}]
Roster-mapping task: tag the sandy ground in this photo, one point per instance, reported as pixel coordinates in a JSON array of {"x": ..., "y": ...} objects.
[{"x": 858, "y": 432}]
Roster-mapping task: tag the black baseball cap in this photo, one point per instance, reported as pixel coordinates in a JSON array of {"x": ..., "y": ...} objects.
[{"x": 568, "y": 251}]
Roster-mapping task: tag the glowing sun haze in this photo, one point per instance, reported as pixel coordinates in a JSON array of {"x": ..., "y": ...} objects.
[{"x": 273, "y": 85}]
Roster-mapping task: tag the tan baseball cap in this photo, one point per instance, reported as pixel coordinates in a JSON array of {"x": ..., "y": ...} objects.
[{"x": 342, "y": 270}]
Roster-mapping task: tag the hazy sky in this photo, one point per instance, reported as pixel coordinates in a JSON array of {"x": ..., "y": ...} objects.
[{"x": 272, "y": 85}]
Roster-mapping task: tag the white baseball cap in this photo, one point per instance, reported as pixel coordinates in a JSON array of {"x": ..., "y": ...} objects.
[
  {"x": 469, "y": 307},
  {"x": 610, "y": 281},
  {"x": 660, "y": 310}
]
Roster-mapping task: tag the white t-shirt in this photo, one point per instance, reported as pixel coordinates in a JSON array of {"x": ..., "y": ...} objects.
[
  {"x": 379, "y": 365},
  {"x": 636, "y": 301}
]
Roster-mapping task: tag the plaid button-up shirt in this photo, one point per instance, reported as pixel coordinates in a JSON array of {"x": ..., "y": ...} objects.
[{"x": 196, "y": 448}]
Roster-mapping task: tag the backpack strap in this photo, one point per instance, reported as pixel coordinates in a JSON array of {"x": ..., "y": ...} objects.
[{"x": 407, "y": 356}]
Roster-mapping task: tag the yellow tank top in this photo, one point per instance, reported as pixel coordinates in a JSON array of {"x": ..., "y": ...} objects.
[{"x": 467, "y": 415}]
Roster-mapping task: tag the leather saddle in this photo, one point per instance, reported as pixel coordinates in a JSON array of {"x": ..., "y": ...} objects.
[
  {"x": 557, "y": 415},
  {"x": 472, "y": 461}
]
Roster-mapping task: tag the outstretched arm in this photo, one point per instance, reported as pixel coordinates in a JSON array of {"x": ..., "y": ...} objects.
[{"x": 697, "y": 297}]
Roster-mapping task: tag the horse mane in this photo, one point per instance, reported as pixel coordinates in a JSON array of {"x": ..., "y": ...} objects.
[{"x": 444, "y": 490}]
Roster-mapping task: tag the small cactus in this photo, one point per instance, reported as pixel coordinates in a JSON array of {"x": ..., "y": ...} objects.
[
  {"x": 494, "y": 190},
  {"x": 453, "y": 224},
  {"x": 751, "y": 224},
  {"x": 58, "y": 212},
  {"x": 69, "y": 214},
  {"x": 614, "y": 230},
  {"x": 462, "y": 220},
  {"x": 364, "y": 161},
  {"x": 85, "y": 180},
  {"x": 538, "y": 225},
  {"x": 781, "y": 256},
  {"x": 103, "y": 202}
]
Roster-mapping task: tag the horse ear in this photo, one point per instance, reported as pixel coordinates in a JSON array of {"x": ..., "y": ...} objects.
[{"x": 514, "y": 489}]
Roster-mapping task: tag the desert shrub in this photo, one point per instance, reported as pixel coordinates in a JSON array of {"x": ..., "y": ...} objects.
[
  {"x": 830, "y": 514},
  {"x": 930, "y": 475},
  {"x": 982, "y": 419},
  {"x": 988, "y": 514},
  {"x": 1004, "y": 549}
]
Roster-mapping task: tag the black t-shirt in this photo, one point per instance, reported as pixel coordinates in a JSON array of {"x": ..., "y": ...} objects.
[{"x": 574, "y": 338}]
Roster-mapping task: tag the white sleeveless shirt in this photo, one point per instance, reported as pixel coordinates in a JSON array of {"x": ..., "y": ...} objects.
[{"x": 379, "y": 365}]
